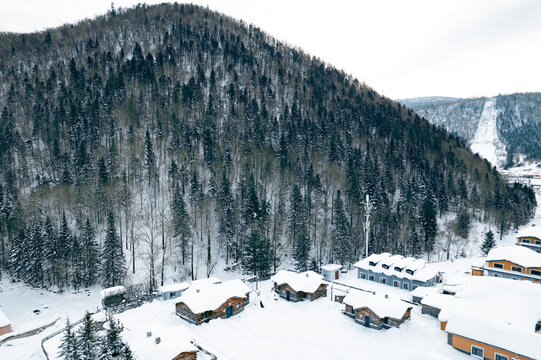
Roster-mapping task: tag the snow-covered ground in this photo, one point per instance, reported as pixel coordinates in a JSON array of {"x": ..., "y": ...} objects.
[{"x": 486, "y": 142}]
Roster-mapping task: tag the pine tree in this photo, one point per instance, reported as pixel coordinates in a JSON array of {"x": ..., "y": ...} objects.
[
  {"x": 257, "y": 256},
  {"x": 342, "y": 247},
  {"x": 87, "y": 339},
  {"x": 429, "y": 223},
  {"x": 112, "y": 345},
  {"x": 150, "y": 159},
  {"x": 488, "y": 242},
  {"x": 181, "y": 223},
  {"x": 225, "y": 206},
  {"x": 113, "y": 264},
  {"x": 90, "y": 255},
  {"x": 69, "y": 345}
]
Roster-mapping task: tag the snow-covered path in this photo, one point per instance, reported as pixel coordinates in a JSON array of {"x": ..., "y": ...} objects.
[{"x": 486, "y": 142}]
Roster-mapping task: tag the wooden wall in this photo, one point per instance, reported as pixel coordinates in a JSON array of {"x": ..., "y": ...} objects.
[
  {"x": 187, "y": 355},
  {"x": 464, "y": 344}
]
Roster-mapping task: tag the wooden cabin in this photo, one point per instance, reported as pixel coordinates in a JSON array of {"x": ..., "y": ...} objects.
[
  {"x": 174, "y": 290},
  {"x": 186, "y": 355},
  {"x": 514, "y": 262},
  {"x": 530, "y": 238},
  {"x": 491, "y": 318},
  {"x": 331, "y": 272},
  {"x": 5, "y": 324},
  {"x": 295, "y": 287},
  {"x": 376, "y": 311},
  {"x": 487, "y": 340},
  {"x": 203, "y": 302},
  {"x": 477, "y": 271}
]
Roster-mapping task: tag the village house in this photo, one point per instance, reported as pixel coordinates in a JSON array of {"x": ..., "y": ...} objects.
[
  {"x": 376, "y": 311},
  {"x": 395, "y": 270},
  {"x": 148, "y": 342},
  {"x": 331, "y": 272},
  {"x": 480, "y": 321},
  {"x": 420, "y": 292},
  {"x": 294, "y": 286},
  {"x": 514, "y": 262},
  {"x": 5, "y": 324},
  {"x": 205, "y": 301},
  {"x": 174, "y": 290},
  {"x": 530, "y": 237},
  {"x": 112, "y": 296}
]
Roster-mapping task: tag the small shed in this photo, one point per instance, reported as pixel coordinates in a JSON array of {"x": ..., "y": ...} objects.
[
  {"x": 174, "y": 290},
  {"x": 421, "y": 292},
  {"x": 112, "y": 296},
  {"x": 331, "y": 272},
  {"x": 530, "y": 237},
  {"x": 203, "y": 302},
  {"x": 376, "y": 311},
  {"x": 5, "y": 324},
  {"x": 294, "y": 286},
  {"x": 433, "y": 303}
]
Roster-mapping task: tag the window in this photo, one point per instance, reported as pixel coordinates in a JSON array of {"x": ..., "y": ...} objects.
[
  {"x": 538, "y": 327},
  {"x": 396, "y": 284},
  {"x": 405, "y": 286},
  {"x": 382, "y": 280},
  {"x": 363, "y": 276},
  {"x": 409, "y": 271},
  {"x": 535, "y": 272},
  {"x": 397, "y": 269},
  {"x": 371, "y": 263},
  {"x": 497, "y": 266},
  {"x": 500, "y": 357},
  {"x": 477, "y": 352},
  {"x": 538, "y": 242},
  {"x": 516, "y": 268},
  {"x": 526, "y": 241},
  {"x": 371, "y": 277},
  {"x": 385, "y": 266}
]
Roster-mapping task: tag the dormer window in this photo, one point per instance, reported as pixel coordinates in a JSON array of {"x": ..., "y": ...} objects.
[
  {"x": 385, "y": 266},
  {"x": 397, "y": 269},
  {"x": 410, "y": 272},
  {"x": 371, "y": 263}
]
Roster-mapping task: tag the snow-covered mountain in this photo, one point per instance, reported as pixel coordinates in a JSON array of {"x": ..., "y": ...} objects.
[{"x": 500, "y": 129}]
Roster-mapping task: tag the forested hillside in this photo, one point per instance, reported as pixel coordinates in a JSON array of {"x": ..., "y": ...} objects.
[
  {"x": 518, "y": 120},
  {"x": 159, "y": 140}
]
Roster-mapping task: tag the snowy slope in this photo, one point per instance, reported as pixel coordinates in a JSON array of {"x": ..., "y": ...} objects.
[{"x": 486, "y": 141}]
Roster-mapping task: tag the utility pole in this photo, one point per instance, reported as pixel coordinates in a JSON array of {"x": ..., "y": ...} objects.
[{"x": 367, "y": 209}]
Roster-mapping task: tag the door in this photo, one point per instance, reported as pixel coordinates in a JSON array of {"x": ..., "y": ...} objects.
[
  {"x": 367, "y": 321},
  {"x": 336, "y": 275},
  {"x": 288, "y": 296},
  {"x": 229, "y": 311}
]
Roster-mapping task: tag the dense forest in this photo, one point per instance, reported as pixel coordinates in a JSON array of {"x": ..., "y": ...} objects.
[{"x": 162, "y": 140}]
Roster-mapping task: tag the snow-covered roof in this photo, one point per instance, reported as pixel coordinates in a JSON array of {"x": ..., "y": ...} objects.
[
  {"x": 331, "y": 267},
  {"x": 374, "y": 258},
  {"x": 439, "y": 301},
  {"x": 173, "y": 341},
  {"x": 382, "y": 306},
  {"x": 509, "y": 307},
  {"x": 210, "y": 280},
  {"x": 497, "y": 333},
  {"x": 530, "y": 231},
  {"x": 174, "y": 287},
  {"x": 115, "y": 290},
  {"x": 421, "y": 270},
  {"x": 4, "y": 321},
  {"x": 520, "y": 255},
  {"x": 423, "y": 291},
  {"x": 307, "y": 281},
  {"x": 201, "y": 297}
]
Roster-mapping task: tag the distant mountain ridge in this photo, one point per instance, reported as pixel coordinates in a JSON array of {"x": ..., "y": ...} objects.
[{"x": 517, "y": 119}]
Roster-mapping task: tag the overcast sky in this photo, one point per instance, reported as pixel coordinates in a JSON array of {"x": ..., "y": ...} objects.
[{"x": 460, "y": 48}]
